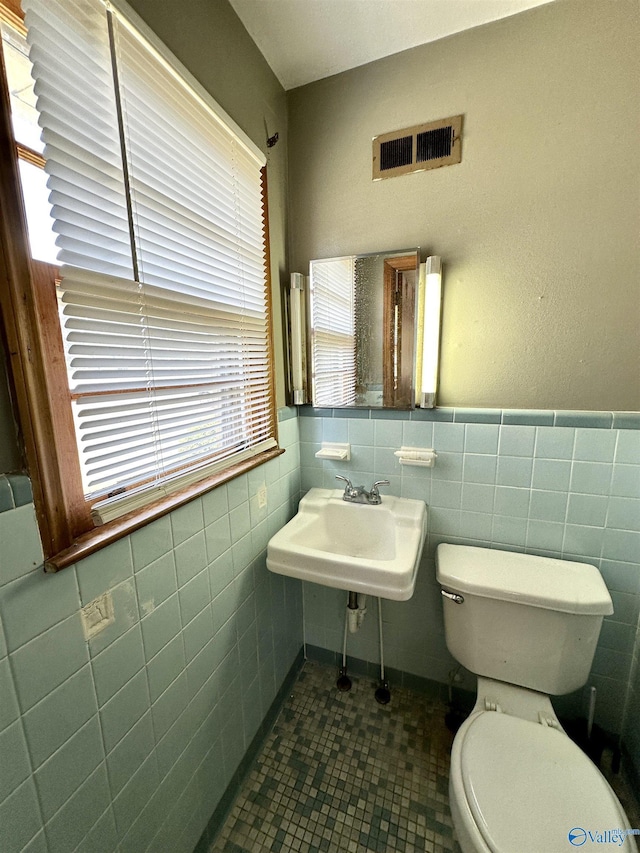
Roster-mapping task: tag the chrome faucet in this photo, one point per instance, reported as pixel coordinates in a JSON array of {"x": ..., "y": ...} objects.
[{"x": 359, "y": 495}]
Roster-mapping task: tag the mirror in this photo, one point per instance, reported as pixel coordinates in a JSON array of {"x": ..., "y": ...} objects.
[{"x": 363, "y": 330}]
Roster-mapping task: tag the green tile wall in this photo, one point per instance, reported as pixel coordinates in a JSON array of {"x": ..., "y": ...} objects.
[
  {"x": 632, "y": 714},
  {"x": 561, "y": 484},
  {"x": 127, "y": 742}
]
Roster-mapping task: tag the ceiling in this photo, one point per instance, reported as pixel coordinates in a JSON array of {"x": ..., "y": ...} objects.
[{"x": 305, "y": 40}]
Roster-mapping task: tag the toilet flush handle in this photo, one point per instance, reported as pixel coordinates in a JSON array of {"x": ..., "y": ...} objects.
[{"x": 453, "y": 596}]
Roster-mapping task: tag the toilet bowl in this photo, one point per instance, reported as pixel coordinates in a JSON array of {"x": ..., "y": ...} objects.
[{"x": 518, "y": 783}]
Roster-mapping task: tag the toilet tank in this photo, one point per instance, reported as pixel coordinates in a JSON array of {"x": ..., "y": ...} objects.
[{"x": 527, "y": 620}]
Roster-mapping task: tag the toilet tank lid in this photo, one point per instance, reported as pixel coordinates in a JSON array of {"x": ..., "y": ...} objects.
[{"x": 562, "y": 585}]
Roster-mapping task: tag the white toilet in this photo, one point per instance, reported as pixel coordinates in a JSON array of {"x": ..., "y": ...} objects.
[{"x": 527, "y": 626}]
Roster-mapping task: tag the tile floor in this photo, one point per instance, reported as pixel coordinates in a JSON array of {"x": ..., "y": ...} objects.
[{"x": 340, "y": 772}]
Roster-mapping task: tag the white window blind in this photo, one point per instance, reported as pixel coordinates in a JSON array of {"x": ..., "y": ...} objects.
[
  {"x": 333, "y": 339},
  {"x": 71, "y": 58},
  {"x": 158, "y": 206}
]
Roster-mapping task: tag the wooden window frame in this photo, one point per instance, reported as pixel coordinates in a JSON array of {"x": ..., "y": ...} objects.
[
  {"x": 39, "y": 378},
  {"x": 11, "y": 12}
]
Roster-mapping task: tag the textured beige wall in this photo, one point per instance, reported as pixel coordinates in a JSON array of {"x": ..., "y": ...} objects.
[
  {"x": 538, "y": 226},
  {"x": 208, "y": 37}
]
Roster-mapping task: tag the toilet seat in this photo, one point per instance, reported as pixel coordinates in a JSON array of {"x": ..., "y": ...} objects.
[{"x": 527, "y": 785}]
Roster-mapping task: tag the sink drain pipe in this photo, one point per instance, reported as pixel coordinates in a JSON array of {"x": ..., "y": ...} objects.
[
  {"x": 353, "y": 618},
  {"x": 354, "y": 614},
  {"x": 356, "y": 611}
]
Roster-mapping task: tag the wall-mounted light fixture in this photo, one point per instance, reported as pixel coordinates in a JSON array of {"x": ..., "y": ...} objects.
[
  {"x": 431, "y": 331},
  {"x": 296, "y": 319}
]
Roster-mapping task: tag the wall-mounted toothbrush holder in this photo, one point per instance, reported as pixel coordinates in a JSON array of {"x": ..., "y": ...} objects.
[
  {"x": 338, "y": 452},
  {"x": 421, "y": 456}
]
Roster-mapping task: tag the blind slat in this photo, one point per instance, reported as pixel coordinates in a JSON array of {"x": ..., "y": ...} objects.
[{"x": 169, "y": 368}]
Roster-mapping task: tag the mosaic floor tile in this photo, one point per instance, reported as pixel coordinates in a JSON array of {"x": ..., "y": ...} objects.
[{"x": 342, "y": 774}]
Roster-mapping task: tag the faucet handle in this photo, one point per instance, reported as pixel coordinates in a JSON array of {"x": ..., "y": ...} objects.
[
  {"x": 374, "y": 489},
  {"x": 349, "y": 486}
]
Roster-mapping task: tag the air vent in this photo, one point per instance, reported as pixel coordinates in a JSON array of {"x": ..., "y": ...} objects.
[
  {"x": 415, "y": 149},
  {"x": 396, "y": 153}
]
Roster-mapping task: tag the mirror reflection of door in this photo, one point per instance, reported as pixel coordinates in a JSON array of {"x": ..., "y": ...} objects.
[{"x": 398, "y": 324}]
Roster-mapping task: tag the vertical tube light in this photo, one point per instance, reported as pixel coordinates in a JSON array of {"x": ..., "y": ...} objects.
[
  {"x": 431, "y": 332},
  {"x": 297, "y": 338}
]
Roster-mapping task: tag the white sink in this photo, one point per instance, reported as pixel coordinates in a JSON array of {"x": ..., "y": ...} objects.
[{"x": 369, "y": 549}]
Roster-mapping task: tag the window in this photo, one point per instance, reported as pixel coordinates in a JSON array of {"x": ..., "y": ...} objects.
[
  {"x": 29, "y": 145},
  {"x": 159, "y": 203}
]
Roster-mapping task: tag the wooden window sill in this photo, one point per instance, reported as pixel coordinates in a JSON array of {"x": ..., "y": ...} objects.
[{"x": 92, "y": 541}]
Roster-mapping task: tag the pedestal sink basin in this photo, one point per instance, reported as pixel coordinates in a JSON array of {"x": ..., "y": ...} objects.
[{"x": 369, "y": 549}]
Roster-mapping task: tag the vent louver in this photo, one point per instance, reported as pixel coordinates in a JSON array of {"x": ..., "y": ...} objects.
[
  {"x": 396, "y": 152},
  {"x": 415, "y": 149}
]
